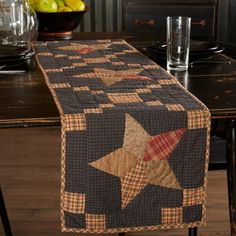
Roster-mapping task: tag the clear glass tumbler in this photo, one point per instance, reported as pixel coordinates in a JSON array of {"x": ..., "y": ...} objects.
[
  {"x": 178, "y": 42},
  {"x": 18, "y": 23}
]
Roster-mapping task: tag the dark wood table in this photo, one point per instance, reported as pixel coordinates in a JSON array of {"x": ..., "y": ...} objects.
[{"x": 26, "y": 102}]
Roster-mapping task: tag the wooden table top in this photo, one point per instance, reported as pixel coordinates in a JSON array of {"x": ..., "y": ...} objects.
[{"x": 26, "y": 100}]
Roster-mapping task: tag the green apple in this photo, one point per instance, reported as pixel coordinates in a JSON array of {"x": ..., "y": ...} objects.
[
  {"x": 32, "y": 4},
  {"x": 60, "y": 3},
  {"x": 46, "y": 6}
]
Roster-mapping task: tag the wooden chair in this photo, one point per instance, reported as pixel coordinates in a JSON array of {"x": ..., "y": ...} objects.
[{"x": 4, "y": 216}]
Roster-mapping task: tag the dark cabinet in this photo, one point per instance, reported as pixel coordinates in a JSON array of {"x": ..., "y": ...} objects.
[{"x": 147, "y": 19}]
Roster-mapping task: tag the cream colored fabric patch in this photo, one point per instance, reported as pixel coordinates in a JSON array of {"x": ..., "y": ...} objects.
[
  {"x": 116, "y": 163},
  {"x": 110, "y": 77},
  {"x": 135, "y": 137},
  {"x": 160, "y": 173}
]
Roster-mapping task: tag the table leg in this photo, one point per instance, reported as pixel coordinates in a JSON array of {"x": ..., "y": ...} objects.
[
  {"x": 4, "y": 217},
  {"x": 231, "y": 172},
  {"x": 192, "y": 231}
]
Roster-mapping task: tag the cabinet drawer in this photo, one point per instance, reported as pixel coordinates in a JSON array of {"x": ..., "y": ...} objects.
[{"x": 153, "y": 19}]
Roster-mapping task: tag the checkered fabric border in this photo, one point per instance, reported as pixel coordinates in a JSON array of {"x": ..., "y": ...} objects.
[
  {"x": 61, "y": 85},
  {"x": 95, "y": 222},
  {"x": 143, "y": 90},
  {"x": 167, "y": 81},
  {"x": 172, "y": 215},
  {"x": 74, "y": 122},
  {"x": 83, "y": 88},
  {"x": 74, "y": 57},
  {"x": 45, "y": 54},
  {"x": 79, "y": 64},
  {"x": 93, "y": 111},
  {"x": 55, "y": 70},
  {"x": 74, "y": 202},
  {"x": 154, "y": 103},
  {"x": 175, "y": 107},
  {"x": 193, "y": 196},
  {"x": 106, "y": 105},
  {"x": 197, "y": 119},
  {"x": 124, "y": 97},
  {"x": 98, "y": 60},
  {"x": 153, "y": 86}
]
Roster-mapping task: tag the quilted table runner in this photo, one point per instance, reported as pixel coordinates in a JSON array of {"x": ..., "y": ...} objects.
[{"x": 135, "y": 143}]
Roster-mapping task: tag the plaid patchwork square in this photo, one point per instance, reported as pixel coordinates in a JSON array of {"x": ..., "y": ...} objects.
[
  {"x": 174, "y": 107},
  {"x": 93, "y": 111},
  {"x": 61, "y": 56},
  {"x": 78, "y": 89},
  {"x": 74, "y": 202},
  {"x": 45, "y": 54},
  {"x": 119, "y": 53},
  {"x": 167, "y": 81},
  {"x": 134, "y": 65},
  {"x": 143, "y": 90},
  {"x": 136, "y": 77},
  {"x": 148, "y": 67},
  {"x": 74, "y": 57},
  {"x": 97, "y": 92},
  {"x": 118, "y": 63},
  {"x": 107, "y": 105},
  {"x": 153, "y": 86},
  {"x": 154, "y": 103},
  {"x": 68, "y": 67},
  {"x": 74, "y": 122},
  {"x": 172, "y": 215},
  {"x": 119, "y": 42},
  {"x": 197, "y": 119},
  {"x": 110, "y": 56},
  {"x": 97, "y": 60},
  {"x": 95, "y": 221},
  {"x": 193, "y": 196},
  {"x": 104, "y": 41},
  {"x": 54, "y": 70},
  {"x": 124, "y": 97},
  {"x": 79, "y": 64},
  {"x": 85, "y": 75},
  {"x": 127, "y": 51},
  {"x": 60, "y": 85}
]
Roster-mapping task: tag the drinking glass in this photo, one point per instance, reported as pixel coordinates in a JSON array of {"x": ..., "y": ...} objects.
[
  {"x": 18, "y": 23},
  {"x": 178, "y": 42}
]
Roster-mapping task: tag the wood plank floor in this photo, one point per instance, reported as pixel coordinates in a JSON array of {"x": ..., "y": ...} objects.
[{"x": 30, "y": 179}]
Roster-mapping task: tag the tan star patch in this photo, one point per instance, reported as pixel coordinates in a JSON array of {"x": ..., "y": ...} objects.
[
  {"x": 110, "y": 77},
  {"x": 160, "y": 173},
  {"x": 117, "y": 163},
  {"x": 84, "y": 48},
  {"x": 135, "y": 144},
  {"x": 142, "y": 160}
]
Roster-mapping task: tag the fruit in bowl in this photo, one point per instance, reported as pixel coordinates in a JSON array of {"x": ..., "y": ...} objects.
[{"x": 58, "y": 18}]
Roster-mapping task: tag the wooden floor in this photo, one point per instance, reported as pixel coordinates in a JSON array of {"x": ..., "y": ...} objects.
[{"x": 30, "y": 179}]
